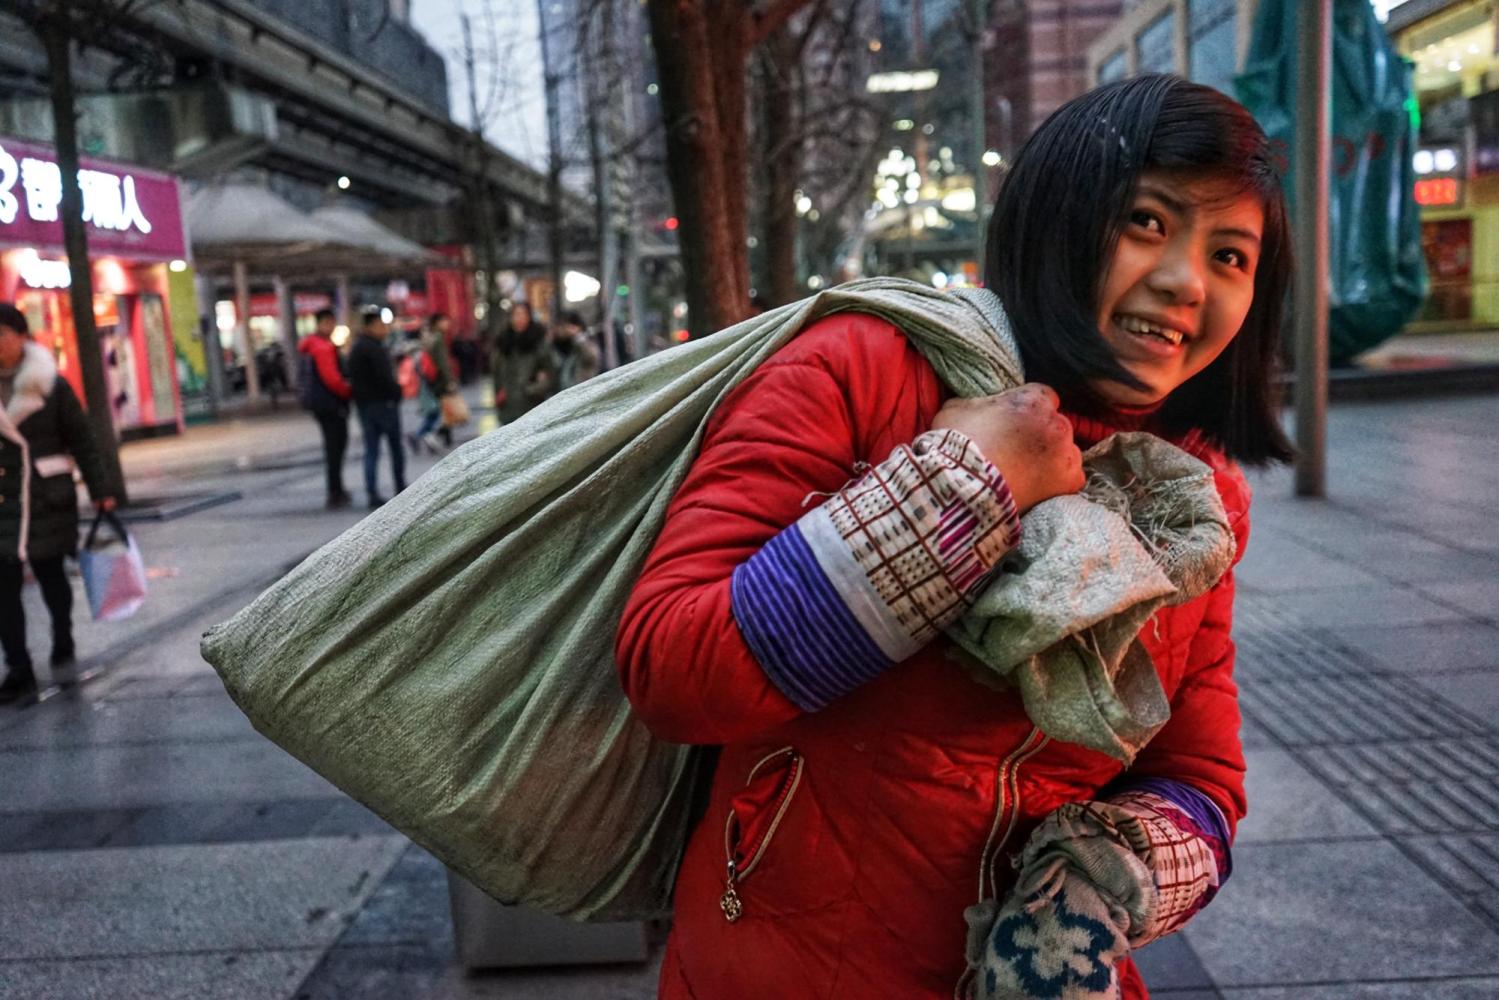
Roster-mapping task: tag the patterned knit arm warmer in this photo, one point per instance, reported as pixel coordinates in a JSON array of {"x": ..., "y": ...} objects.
[
  {"x": 872, "y": 575},
  {"x": 1096, "y": 880},
  {"x": 1183, "y": 839}
]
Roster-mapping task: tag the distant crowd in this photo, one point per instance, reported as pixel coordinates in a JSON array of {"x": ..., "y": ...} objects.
[{"x": 527, "y": 363}]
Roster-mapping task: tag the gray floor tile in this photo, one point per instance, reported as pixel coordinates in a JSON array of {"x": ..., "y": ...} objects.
[
  {"x": 1286, "y": 802},
  {"x": 1468, "y": 863},
  {"x": 410, "y": 906},
  {"x": 1353, "y": 709},
  {"x": 1425, "y": 989},
  {"x": 628, "y": 982},
  {"x": 146, "y": 720},
  {"x": 266, "y": 975},
  {"x": 376, "y": 971},
  {"x": 1480, "y": 597},
  {"x": 148, "y": 900},
  {"x": 1424, "y": 649},
  {"x": 196, "y": 683},
  {"x": 186, "y": 823},
  {"x": 1279, "y": 566},
  {"x": 1306, "y": 913},
  {"x": 1476, "y": 693},
  {"x": 1378, "y": 604},
  {"x": 1171, "y": 964},
  {"x": 1255, "y": 736},
  {"x": 126, "y": 776},
  {"x": 63, "y": 830}
]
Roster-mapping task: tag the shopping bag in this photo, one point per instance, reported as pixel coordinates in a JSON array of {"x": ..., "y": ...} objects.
[
  {"x": 454, "y": 410},
  {"x": 114, "y": 576}
]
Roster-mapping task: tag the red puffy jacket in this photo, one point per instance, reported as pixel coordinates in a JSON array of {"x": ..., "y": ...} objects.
[{"x": 861, "y": 831}]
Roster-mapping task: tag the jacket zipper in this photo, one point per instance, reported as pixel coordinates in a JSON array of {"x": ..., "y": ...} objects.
[
  {"x": 730, "y": 902},
  {"x": 1007, "y": 800}
]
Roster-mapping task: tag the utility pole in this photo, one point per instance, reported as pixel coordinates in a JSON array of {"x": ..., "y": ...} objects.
[
  {"x": 481, "y": 189},
  {"x": 978, "y": 11},
  {"x": 551, "y": 81},
  {"x": 1310, "y": 232}
]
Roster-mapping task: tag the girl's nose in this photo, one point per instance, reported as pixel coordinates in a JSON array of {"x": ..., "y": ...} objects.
[{"x": 1179, "y": 280}]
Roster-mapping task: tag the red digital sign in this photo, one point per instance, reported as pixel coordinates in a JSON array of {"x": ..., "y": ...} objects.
[{"x": 1435, "y": 191}]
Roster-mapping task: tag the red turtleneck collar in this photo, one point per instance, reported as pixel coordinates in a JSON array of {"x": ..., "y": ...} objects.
[{"x": 1088, "y": 431}]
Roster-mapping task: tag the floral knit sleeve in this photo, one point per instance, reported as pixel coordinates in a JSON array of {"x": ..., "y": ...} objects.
[{"x": 865, "y": 580}]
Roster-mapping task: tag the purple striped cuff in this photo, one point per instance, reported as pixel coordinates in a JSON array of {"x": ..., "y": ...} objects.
[
  {"x": 869, "y": 577},
  {"x": 802, "y": 633}
]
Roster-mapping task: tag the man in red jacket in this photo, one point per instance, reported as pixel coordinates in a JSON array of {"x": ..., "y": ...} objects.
[{"x": 325, "y": 392}]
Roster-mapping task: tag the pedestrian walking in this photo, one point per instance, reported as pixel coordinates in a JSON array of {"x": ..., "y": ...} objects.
[
  {"x": 44, "y": 435},
  {"x": 575, "y": 353},
  {"x": 377, "y": 394},
  {"x": 521, "y": 365},
  {"x": 325, "y": 393},
  {"x": 435, "y": 379},
  {"x": 870, "y": 796}
]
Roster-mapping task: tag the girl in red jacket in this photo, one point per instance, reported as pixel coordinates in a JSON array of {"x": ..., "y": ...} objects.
[{"x": 869, "y": 791}]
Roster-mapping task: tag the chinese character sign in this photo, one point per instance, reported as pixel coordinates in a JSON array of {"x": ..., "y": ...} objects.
[{"x": 134, "y": 213}]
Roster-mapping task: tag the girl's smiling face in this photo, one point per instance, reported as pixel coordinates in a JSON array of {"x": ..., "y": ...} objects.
[{"x": 1180, "y": 282}]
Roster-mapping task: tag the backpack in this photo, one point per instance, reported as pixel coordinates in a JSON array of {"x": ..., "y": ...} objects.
[{"x": 312, "y": 394}]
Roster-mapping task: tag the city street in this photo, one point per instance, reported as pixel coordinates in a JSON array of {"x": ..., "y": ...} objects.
[{"x": 152, "y": 845}]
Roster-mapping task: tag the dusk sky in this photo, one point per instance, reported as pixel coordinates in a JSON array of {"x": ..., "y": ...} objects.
[{"x": 508, "y": 68}]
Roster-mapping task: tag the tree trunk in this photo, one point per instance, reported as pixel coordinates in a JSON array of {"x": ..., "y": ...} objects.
[
  {"x": 55, "y": 39},
  {"x": 731, "y": 46},
  {"x": 711, "y": 221},
  {"x": 780, "y": 125}
]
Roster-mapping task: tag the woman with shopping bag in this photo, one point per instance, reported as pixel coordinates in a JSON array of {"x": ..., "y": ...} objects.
[{"x": 43, "y": 435}]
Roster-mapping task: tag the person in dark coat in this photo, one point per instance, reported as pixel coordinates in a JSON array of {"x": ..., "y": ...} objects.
[
  {"x": 575, "y": 353},
  {"x": 377, "y": 394},
  {"x": 43, "y": 434},
  {"x": 325, "y": 394},
  {"x": 522, "y": 365}
]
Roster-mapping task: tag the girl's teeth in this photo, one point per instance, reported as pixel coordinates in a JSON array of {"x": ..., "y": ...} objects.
[{"x": 1136, "y": 325}]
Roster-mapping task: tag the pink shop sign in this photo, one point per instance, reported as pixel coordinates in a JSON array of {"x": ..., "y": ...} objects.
[{"x": 130, "y": 212}]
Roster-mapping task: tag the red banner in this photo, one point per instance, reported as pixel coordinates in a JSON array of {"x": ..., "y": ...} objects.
[{"x": 130, "y": 212}]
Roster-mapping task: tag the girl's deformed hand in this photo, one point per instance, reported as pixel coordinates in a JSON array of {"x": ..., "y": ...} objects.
[{"x": 1023, "y": 435}]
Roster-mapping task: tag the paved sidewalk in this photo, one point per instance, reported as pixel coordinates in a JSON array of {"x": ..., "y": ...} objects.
[{"x": 152, "y": 845}]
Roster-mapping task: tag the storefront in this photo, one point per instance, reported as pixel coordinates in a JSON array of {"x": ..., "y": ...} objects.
[
  {"x": 137, "y": 247},
  {"x": 1456, "y": 75}
]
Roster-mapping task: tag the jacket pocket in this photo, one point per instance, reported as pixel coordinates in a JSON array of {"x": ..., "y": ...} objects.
[{"x": 755, "y": 816}]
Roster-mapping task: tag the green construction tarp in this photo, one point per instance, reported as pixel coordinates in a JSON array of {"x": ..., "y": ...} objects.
[{"x": 1378, "y": 273}]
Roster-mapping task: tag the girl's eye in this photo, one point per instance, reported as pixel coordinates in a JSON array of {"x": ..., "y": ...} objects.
[
  {"x": 1147, "y": 221},
  {"x": 1233, "y": 258}
]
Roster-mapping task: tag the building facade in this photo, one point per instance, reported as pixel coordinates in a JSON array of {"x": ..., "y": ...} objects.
[
  {"x": 1454, "y": 51},
  {"x": 1037, "y": 60},
  {"x": 1203, "y": 40},
  {"x": 325, "y": 104}
]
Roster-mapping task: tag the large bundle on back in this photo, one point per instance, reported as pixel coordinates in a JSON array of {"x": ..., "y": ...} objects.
[{"x": 449, "y": 660}]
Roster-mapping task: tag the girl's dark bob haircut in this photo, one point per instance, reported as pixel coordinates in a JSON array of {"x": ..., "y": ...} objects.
[{"x": 1057, "y": 221}]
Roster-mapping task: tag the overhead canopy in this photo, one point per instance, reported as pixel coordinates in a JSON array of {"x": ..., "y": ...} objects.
[
  {"x": 248, "y": 223},
  {"x": 354, "y": 226}
]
